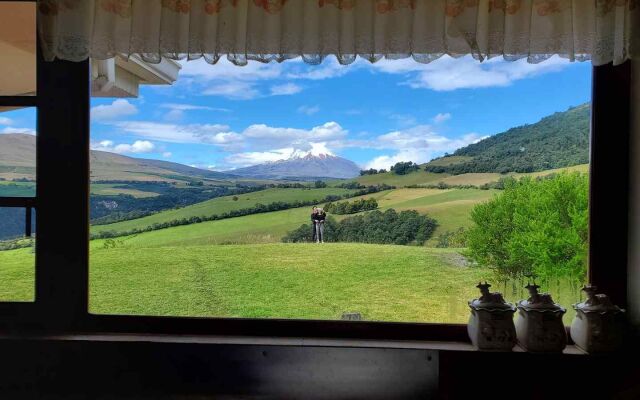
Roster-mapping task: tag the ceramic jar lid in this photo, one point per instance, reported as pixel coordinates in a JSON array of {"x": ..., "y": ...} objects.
[
  {"x": 540, "y": 302},
  {"x": 596, "y": 303},
  {"x": 490, "y": 301}
]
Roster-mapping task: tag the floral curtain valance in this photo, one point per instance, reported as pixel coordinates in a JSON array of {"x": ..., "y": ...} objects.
[{"x": 265, "y": 30}]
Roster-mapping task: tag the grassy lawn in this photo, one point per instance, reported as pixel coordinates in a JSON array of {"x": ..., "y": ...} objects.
[
  {"x": 220, "y": 205},
  {"x": 308, "y": 281},
  {"x": 387, "y": 283},
  {"x": 17, "y": 274}
]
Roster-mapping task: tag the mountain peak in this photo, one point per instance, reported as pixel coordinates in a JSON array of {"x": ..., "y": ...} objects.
[{"x": 303, "y": 164}]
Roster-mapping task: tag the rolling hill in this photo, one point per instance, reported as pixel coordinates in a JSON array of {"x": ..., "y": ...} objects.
[
  {"x": 557, "y": 141},
  {"x": 18, "y": 154}
]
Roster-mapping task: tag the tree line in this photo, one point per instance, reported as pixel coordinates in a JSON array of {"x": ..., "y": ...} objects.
[
  {"x": 346, "y": 207},
  {"x": 389, "y": 227}
]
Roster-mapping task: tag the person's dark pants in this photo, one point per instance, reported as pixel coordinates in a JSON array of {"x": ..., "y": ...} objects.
[{"x": 313, "y": 231}]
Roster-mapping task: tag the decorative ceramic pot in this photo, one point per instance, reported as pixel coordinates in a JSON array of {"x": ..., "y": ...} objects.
[
  {"x": 539, "y": 324},
  {"x": 599, "y": 324},
  {"x": 491, "y": 322}
]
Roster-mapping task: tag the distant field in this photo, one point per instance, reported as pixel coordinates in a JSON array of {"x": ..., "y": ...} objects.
[
  {"x": 414, "y": 178},
  {"x": 17, "y": 189},
  {"x": 450, "y": 207},
  {"x": 220, "y": 205},
  {"x": 112, "y": 189},
  {"x": 429, "y": 178}
]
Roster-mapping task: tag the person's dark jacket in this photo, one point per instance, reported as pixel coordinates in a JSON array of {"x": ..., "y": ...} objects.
[{"x": 318, "y": 216}]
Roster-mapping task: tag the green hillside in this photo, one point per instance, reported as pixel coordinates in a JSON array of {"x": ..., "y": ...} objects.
[
  {"x": 224, "y": 204},
  {"x": 559, "y": 140},
  {"x": 422, "y": 178},
  {"x": 450, "y": 207}
]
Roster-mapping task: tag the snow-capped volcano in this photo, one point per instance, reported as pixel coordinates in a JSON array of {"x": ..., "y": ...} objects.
[{"x": 303, "y": 165}]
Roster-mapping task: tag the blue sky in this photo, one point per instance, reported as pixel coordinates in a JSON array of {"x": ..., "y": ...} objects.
[{"x": 223, "y": 116}]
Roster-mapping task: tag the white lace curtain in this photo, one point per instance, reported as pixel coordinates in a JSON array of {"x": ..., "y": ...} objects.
[{"x": 265, "y": 30}]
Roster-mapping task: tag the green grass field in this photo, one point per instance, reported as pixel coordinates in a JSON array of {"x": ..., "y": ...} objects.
[
  {"x": 224, "y": 204},
  {"x": 307, "y": 281}
]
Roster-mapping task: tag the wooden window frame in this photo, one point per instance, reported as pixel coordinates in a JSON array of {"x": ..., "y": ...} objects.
[{"x": 62, "y": 260}]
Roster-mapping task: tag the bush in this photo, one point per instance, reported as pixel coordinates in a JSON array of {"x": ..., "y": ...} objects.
[
  {"x": 536, "y": 228},
  {"x": 346, "y": 207},
  {"x": 389, "y": 227}
]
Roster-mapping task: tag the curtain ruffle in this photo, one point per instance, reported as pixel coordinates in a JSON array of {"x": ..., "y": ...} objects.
[{"x": 276, "y": 30}]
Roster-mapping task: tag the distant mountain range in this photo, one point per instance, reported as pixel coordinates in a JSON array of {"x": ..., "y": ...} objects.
[
  {"x": 557, "y": 141},
  {"x": 302, "y": 166}
]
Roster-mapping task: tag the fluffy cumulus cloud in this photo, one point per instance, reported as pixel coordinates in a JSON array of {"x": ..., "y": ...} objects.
[
  {"x": 137, "y": 147},
  {"x": 447, "y": 73},
  {"x": 6, "y": 121},
  {"x": 118, "y": 109},
  {"x": 418, "y": 144}
]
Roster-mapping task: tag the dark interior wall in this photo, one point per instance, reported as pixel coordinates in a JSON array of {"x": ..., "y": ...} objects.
[{"x": 144, "y": 370}]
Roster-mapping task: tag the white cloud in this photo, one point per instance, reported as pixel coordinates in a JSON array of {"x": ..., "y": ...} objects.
[
  {"x": 447, "y": 73},
  {"x": 441, "y": 117},
  {"x": 191, "y": 107},
  {"x": 167, "y": 154},
  {"x": 214, "y": 134},
  {"x": 6, "y": 121},
  {"x": 308, "y": 110},
  {"x": 235, "y": 90},
  {"x": 26, "y": 131},
  {"x": 263, "y": 137},
  {"x": 119, "y": 108},
  {"x": 177, "y": 110},
  {"x": 285, "y": 89},
  {"x": 246, "y": 159},
  {"x": 137, "y": 147},
  {"x": 418, "y": 144}
]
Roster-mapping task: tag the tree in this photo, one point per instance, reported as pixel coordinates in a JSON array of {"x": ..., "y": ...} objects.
[
  {"x": 320, "y": 184},
  {"x": 235, "y": 198},
  {"x": 536, "y": 228},
  {"x": 403, "y": 168}
]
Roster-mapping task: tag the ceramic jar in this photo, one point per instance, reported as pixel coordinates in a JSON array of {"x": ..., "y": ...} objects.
[
  {"x": 599, "y": 324},
  {"x": 491, "y": 322},
  {"x": 539, "y": 324}
]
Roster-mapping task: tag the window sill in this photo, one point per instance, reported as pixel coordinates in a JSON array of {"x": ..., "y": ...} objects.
[{"x": 268, "y": 341}]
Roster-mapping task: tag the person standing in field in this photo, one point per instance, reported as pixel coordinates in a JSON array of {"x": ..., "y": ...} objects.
[
  {"x": 314, "y": 212},
  {"x": 319, "y": 224}
]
